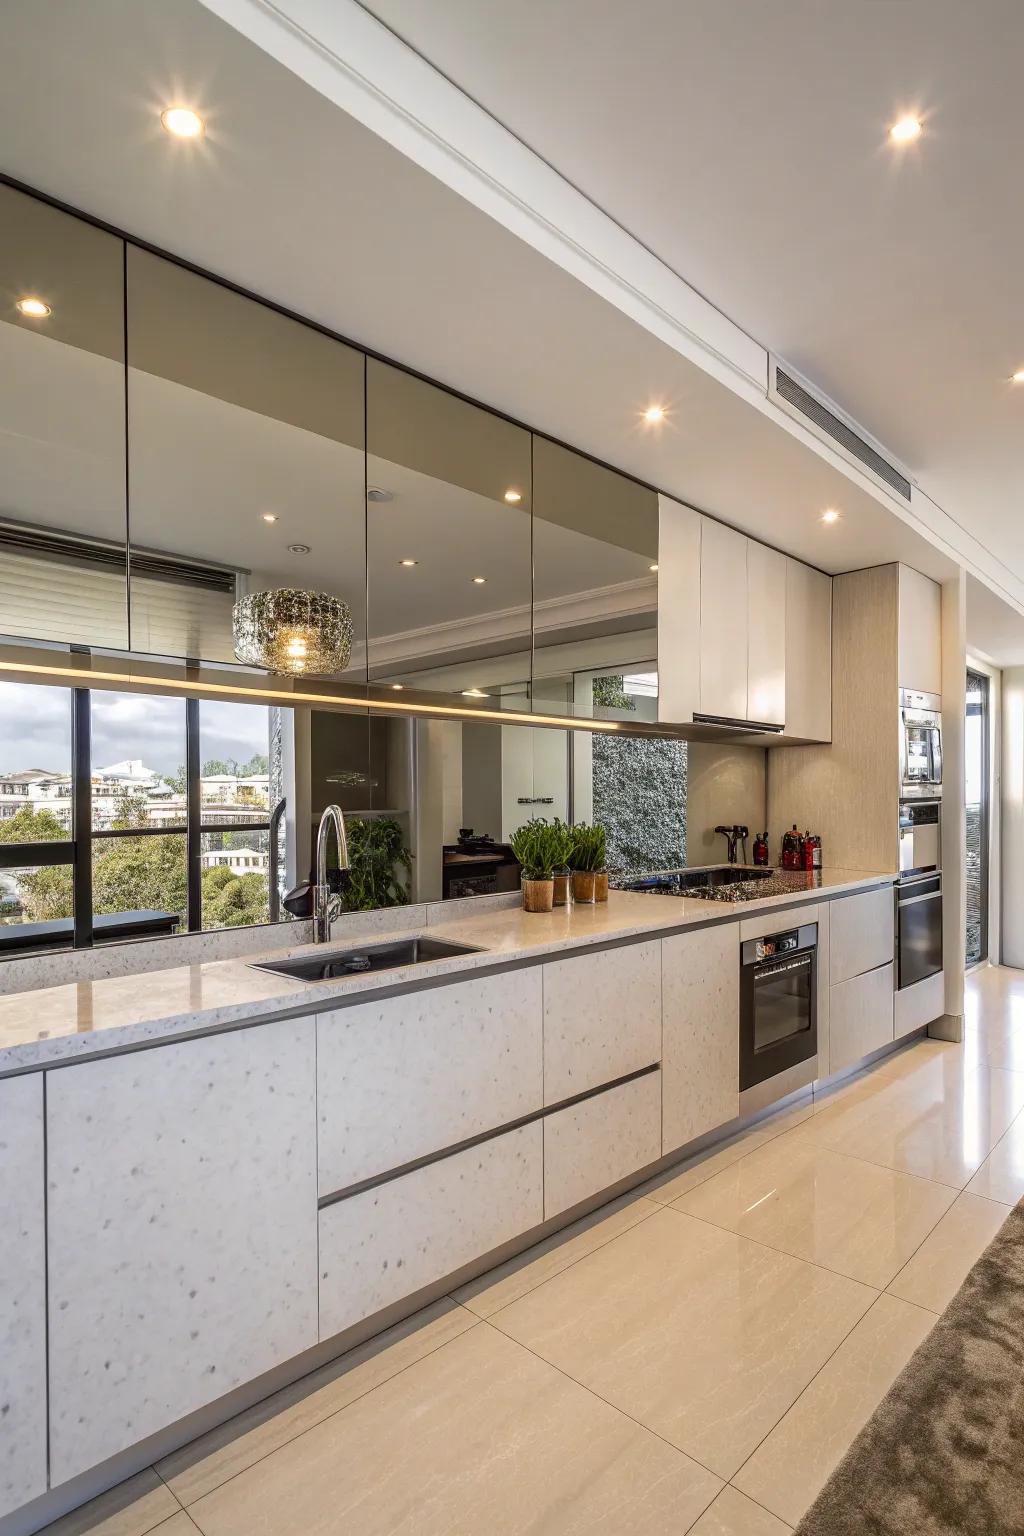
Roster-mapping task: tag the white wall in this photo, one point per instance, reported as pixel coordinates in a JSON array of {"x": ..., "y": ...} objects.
[{"x": 1012, "y": 926}]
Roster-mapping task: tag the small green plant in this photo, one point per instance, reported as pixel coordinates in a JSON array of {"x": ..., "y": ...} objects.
[
  {"x": 589, "y": 847},
  {"x": 563, "y": 854},
  {"x": 377, "y": 852},
  {"x": 537, "y": 845}
]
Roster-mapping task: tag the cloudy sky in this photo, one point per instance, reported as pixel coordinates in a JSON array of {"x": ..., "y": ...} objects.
[{"x": 35, "y": 729}]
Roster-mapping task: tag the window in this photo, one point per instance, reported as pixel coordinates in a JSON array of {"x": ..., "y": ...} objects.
[{"x": 130, "y": 815}]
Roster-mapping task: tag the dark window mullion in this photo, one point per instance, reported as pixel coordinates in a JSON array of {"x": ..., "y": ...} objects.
[
  {"x": 81, "y": 816},
  {"x": 193, "y": 816}
]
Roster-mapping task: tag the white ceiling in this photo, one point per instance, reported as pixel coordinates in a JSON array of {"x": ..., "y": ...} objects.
[
  {"x": 295, "y": 200},
  {"x": 745, "y": 145}
]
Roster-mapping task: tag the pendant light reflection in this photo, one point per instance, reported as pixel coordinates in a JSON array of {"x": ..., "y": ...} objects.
[{"x": 292, "y": 632}]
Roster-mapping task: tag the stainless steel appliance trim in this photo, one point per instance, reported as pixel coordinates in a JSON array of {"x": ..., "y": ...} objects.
[
  {"x": 911, "y": 698},
  {"x": 763, "y": 726},
  {"x": 779, "y": 1086},
  {"x": 913, "y": 901}
]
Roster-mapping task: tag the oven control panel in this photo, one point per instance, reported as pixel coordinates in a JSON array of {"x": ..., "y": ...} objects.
[{"x": 778, "y": 944}]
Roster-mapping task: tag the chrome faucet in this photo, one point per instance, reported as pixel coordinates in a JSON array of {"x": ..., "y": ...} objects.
[{"x": 326, "y": 904}]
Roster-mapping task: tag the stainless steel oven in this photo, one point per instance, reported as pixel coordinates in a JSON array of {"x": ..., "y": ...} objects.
[
  {"x": 920, "y": 743},
  {"x": 918, "y": 928},
  {"x": 778, "y": 1015},
  {"x": 920, "y": 836}
]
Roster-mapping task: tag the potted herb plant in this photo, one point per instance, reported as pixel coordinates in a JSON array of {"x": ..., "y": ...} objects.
[
  {"x": 589, "y": 851},
  {"x": 563, "y": 871},
  {"x": 536, "y": 846}
]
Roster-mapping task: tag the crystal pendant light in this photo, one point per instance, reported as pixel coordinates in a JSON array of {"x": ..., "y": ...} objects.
[{"x": 291, "y": 631}]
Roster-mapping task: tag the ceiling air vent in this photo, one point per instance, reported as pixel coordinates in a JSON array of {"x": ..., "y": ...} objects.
[{"x": 828, "y": 424}]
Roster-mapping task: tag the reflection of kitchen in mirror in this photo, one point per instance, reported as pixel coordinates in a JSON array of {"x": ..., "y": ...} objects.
[
  {"x": 448, "y": 542},
  {"x": 62, "y": 514},
  {"x": 246, "y": 453}
]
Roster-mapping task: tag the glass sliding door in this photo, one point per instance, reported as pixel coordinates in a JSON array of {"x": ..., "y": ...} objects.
[{"x": 977, "y": 796}]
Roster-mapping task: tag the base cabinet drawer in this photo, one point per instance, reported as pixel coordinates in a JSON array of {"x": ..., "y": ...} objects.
[
  {"x": 470, "y": 1059},
  {"x": 861, "y": 932},
  {"x": 22, "y": 1293},
  {"x": 182, "y": 1227},
  {"x": 860, "y": 1017},
  {"x": 920, "y": 1004},
  {"x": 384, "y": 1244},
  {"x": 592, "y": 1145},
  {"x": 587, "y": 1000}
]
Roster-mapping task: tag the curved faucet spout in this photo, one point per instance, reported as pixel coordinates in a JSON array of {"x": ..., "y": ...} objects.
[{"x": 326, "y": 905}]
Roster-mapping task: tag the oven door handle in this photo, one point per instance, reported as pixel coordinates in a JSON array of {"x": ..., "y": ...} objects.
[{"x": 914, "y": 901}]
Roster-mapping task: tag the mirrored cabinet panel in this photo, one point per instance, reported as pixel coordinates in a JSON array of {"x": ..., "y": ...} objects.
[
  {"x": 62, "y": 427},
  {"x": 595, "y": 554},
  {"x": 246, "y": 459},
  {"x": 448, "y": 542}
]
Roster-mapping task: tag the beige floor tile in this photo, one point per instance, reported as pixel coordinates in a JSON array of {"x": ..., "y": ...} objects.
[
  {"x": 480, "y": 1436},
  {"x": 705, "y": 1337},
  {"x": 207, "y": 1462},
  {"x": 789, "y": 1469},
  {"x": 940, "y": 1124},
  {"x": 668, "y": 1186},
  {"x": 132, "y": 1508},
  {"x": 854, "y": 1217},
  {"x": 1001, "y": 1175},
  {"x": 939, "y": 1267},
  {"x": 180, "y": 1524},
  {"x": 733, "y": 1514},
  {"x": 513, "y": 1279}
]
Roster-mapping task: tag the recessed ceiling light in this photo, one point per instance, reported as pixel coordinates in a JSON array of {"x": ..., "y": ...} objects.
[
  {"x": 408, "y": 562},
  {"x": 1018, "y": 377},
  {"x": 654, "y": 414},
  {"x": 653, "y": 567},
  {"x": 512, "y": 496},
  {"x": 478, "y": 581},
  {"x": 299, "y": 549},
  {"x": 269, "y": 517},
  {"x": 905, "y": 130},
  {"x": 33, "y": 308},
  {"x": 378, "y": 493},
  {"x": 183, "y": 123},
  {"x": 473, "y": 693},
  {"x": 398, "y": 687},
  {"x": 830, "y": 515}
]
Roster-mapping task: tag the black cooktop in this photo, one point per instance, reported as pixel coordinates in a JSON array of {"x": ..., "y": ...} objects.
[{"x": 729, "y": 882}]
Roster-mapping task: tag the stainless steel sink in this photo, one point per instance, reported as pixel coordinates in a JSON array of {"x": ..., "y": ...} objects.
[{"x": 371, "y": 957}]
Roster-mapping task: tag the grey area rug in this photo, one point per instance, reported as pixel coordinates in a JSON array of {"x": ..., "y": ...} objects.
[{"x": 943, "y": 1454}]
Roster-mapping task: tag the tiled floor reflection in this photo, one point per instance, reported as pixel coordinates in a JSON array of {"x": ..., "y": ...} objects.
[{"x": 694, "y": 1358}]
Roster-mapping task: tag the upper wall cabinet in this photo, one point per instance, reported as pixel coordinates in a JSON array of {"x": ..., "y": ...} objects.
[
  {"x": 63, "y": 566},
  {"x": 246, "y": 459},
  {"x": 595, "y": 557},
  {"x": 449, "y": 569},
  {"x": 744, "y": 632},
  {"x": 920, "y": 632}
]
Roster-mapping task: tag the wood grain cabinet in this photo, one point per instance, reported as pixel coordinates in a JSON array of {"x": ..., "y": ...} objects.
[
  {"x": 22, "y": 1293},
  {"x": 182, "y": 1231},
  {"x": 700, "y": 1028},
  {"x": 402, "y": 1077},
  {"x": 602, "y": 1017},
  {"x": 808, "y": 714}
]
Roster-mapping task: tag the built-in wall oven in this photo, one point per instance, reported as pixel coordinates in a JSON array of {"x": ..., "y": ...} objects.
[
  {"x": 778, "y": 1015},
  {"x": 918, "y": 928},
  {"x": 920, "y": 836},
  {"x": 920, "y": 743}
]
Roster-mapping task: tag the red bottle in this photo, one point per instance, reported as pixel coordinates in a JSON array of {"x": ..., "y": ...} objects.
[
  {"x": 761, "y": 849},
  {"x": 792, "y": 850}
]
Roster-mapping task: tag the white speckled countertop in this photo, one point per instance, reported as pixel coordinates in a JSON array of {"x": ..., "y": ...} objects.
[{"x": 63, "y": 1023}]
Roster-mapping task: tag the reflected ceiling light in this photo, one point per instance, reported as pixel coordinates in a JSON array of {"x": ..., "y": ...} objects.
[
  {"x": 1018, "y": 377},
  {"x": 299, "y": 549},
  {"x": 478, "y": 581},
  {"x": 408, "y": 562},
  {"x": 269, "y": 517},
  {"x": 378, "y": 493},
  {"x": 290, "y": 631},
  {"x": 906, "y": 130},
  {"x": 830, "y": 515},
  {"x": 654, "y": 414},
  {"x": 653, "y": 567},
  {"x": 512, "y": 496},
  {"x": 398, "y": 687},
  {"x": 33, "y": 308},
  {"x": 473, "y": 693},
  {"x": 183, "y": 123}
]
